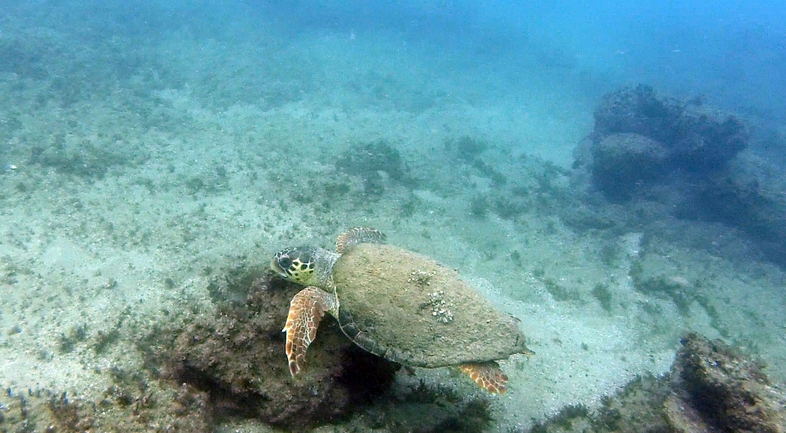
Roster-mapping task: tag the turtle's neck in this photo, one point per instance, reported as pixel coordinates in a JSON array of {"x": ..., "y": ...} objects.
[{"x": 324, "y": 267}]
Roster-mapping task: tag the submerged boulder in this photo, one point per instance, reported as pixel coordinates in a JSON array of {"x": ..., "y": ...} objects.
[
  {"x": 710, "y": 388},
  {"x": 698, "y": 139},
  {"x": 637, "y": 110},
  {"x": 237, "y": 356},
  {"x": 623, "y": 161},
  {"x": 680, "y": 159},
  {"x": 728, "y": 391}
]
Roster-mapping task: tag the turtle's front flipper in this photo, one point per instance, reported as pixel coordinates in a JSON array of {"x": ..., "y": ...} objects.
[
  {"x": 305, "y": 312},
  {"x": 488, "y": 375},
  {"x": 359, "y": 235}
]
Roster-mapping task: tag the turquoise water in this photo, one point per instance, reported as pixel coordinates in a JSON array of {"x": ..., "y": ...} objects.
[{"x": 150, "y": 149}]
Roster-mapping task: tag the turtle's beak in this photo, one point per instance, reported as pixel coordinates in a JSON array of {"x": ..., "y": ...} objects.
[{"x": 276, "y": 268}]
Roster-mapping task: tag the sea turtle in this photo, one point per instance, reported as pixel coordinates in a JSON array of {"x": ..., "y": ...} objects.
[{"x": 396, "y": 304}]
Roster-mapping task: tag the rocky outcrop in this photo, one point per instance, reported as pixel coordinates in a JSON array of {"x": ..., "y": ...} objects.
[
  {"x": 237, "y": 357},
  {"x": 711, "y": 388},
  {"x": 718, "y": 389},
  {"x": 698, "y": 139},
  {"x": 688, "y": 160},
  {"x": 629, "y": 160}
]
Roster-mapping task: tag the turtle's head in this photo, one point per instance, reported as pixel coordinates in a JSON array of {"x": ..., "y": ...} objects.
[{"x": 296, "y": 264}]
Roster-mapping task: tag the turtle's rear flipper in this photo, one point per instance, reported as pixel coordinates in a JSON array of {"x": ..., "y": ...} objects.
[
  {"x": 488, "y": 375},
  {"x": 305, "y": 312},
  {"x": 359, "y": 235}
]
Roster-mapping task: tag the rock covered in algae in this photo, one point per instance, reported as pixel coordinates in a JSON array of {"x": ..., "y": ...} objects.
[
  {"x": 697, "y": 138},
  {"x": 134, "y": 403},
  {"x": 237, "y": 356},
  {"x": 710, "y": 388},
  {"x": 728, "y": 391}
]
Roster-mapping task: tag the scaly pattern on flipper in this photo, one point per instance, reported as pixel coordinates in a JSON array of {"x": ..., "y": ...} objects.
[
  {"x": 359, "y": 235},
  {"x": 305, "y": 312},
  {"x": 488, "y": 375}
]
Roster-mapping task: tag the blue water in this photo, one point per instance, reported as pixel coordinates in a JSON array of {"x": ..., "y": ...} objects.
[{"x": 732, "y": 52}]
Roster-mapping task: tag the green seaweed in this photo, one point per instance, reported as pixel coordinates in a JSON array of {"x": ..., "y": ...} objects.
[
  {"x": 369, "y": 160},
  {"x": 479, "y": 206},
  {"x": 466, "y": 148},
  {"x": 559, "y": 292},
  {"x": 602, "y": 293}
]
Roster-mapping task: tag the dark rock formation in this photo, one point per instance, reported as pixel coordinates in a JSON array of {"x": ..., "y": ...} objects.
[
  {"x": 642, "y": 137},
  {"x": 237, "y": 357},
  {"x": 711, "y": 388},
  {"x": 728, "y": 392},
  {"x": 637, "y": 110},
  {"x": 658, "y": 156},
  {"x": 624, "y": 161},
  {"x": 697, "y": 139}
]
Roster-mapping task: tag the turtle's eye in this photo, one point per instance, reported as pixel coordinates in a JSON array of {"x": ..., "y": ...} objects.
[{"x": 284, "y": 262}]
